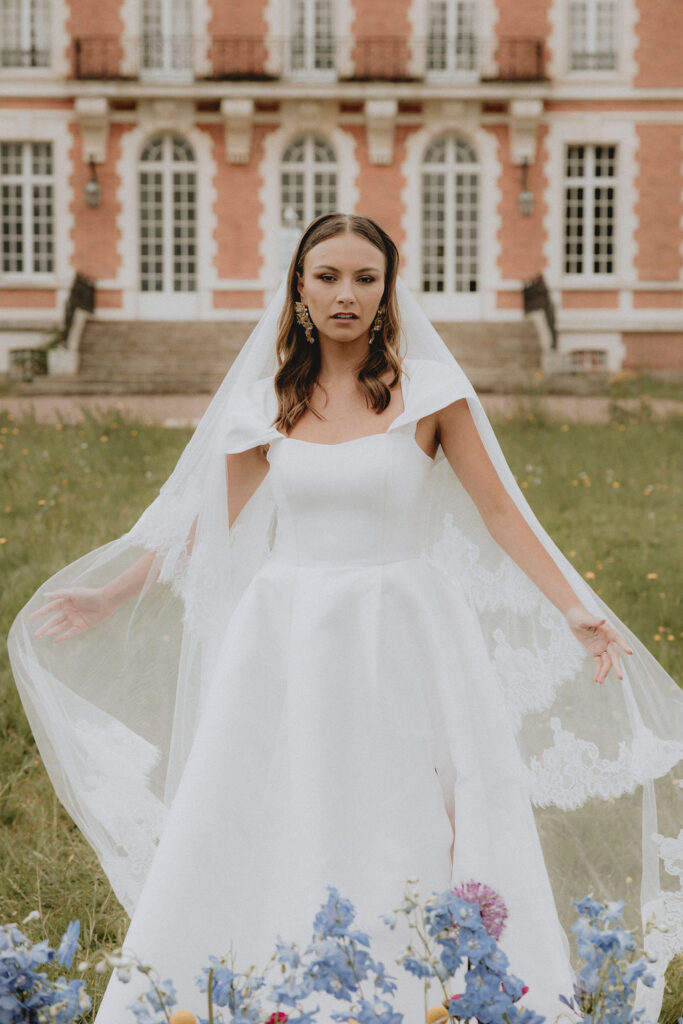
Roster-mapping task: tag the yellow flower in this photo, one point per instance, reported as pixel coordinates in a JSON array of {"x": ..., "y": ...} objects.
[
  {"x": 24, "y": 451},
  {"x": 670, "y": 636},
  {"x": 435, "y": 1014},
  {"x": 615, "y": 483},
  {"x": 104, "y": 438},
  {"x": 589, "y": 575},
  {"x": 42, "y": 501},
  {"x": 133, "y": 433},
  {"x": 575, "y": 483},
  {"x": 183, "y": 1017},
  {"x": 525, "y": 483},
  {"x": 565, "y": 427},
  {"x": 652, "y": 575},
  {"x": 15, "y": 430},
  {"x": 3, "y": 540},
  {"x": 656, "y": 636}
]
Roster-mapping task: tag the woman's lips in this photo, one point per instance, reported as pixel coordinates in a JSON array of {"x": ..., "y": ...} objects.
[{"x": 344, "y": 316}]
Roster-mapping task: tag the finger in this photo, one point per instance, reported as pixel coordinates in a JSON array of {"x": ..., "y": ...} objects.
[
  {"x": 69, "y": 633},
  {"x": 616, "y": 659},
  {"x": 58, "y": 627},
  {"x": 60, "y": 617},
  {"x": 602, "y": 667},
  {"x": 622, "y": 643},
  {"x": 47, "y": 608}
]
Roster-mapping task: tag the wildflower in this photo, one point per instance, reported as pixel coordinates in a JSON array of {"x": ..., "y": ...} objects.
[
  {"x": 67, "y": 946},
  {"x": 589, "y": 575},
  {"x": 652, "y": 576},
  {"x": 491, "y": 906},
  {"x": 104, "y": 438}
]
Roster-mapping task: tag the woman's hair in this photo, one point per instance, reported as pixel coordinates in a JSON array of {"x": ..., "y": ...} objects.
[{"x": 299, "y": 361}]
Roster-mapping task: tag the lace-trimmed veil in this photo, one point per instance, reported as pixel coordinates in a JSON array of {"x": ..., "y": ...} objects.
[{"x": 114, "y": 708}]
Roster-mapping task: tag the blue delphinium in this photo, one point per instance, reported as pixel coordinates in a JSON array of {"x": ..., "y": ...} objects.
[
  {"x": 605, "y": 986},
  {"x": 26, "y": 993}
]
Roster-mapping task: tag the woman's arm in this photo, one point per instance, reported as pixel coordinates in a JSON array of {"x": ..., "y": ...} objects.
[
  {"x": 245, "y": 471},
  {"x": 465, "y": 451}
]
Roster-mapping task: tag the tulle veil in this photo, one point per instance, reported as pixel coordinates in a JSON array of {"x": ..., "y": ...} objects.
[{"x": 114, "y": 708}]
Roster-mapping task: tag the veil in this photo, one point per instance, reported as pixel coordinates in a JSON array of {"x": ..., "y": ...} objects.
[{"x": 114, "y": 709}]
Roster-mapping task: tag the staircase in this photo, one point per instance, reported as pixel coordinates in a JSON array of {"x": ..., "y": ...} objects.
[{"x": 192, "y": 357}]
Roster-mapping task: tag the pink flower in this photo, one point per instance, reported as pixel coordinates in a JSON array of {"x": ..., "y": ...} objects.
[
  {"x": 493, "y": 910},
  {"x": 277, "y": 1017}
]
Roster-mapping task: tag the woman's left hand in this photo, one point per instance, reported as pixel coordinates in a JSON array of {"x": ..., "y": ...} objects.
[{"x": 600, "y": 639}]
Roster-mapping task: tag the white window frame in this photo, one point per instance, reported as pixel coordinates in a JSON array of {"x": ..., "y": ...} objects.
[
  {"x": 449, "y": 169},
  {"x": 26, "y": 180},
  {"x": 274, "y": 145},
  {"x": 168, "y": 297},
  {"x": 52, "y": 127},
  {"x": 583, "y": 129},
  {"x": 307, "y": 168},
  {"x": 30, "y": 13},
  {"x": 165, "y": 70},
  {"x": 310, "y": 42},
  {"x": 454, "y": 68},
  {"x": 626, "y": 43},
  {"x": 590, "y": 182},
  {"x": 592, "y": 14}
]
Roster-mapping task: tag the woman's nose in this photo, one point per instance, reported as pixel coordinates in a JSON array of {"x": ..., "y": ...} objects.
[{"x": 345, "y": 292}]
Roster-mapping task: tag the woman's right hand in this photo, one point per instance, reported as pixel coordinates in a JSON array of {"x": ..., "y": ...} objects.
[{"x": 72, "y": 611}]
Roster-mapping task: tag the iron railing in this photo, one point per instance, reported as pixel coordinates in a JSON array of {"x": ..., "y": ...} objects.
[
  {"x": 537, "y": 296},
  {"x": 34, "y": 57},
  {"x": 387, "y": 58},
  {"x": 81, "y": 296}
]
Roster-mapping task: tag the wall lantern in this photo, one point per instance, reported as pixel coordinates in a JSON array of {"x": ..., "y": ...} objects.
[
  {"x": 525, "y": 197},
  {"x": 93, "y": 192}
]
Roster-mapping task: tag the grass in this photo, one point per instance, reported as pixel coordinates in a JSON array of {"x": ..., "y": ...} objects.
[{"x": 609, "y": 496}]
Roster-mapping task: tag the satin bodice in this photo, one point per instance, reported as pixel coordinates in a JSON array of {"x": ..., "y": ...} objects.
[{"x": 359, "y": 502}]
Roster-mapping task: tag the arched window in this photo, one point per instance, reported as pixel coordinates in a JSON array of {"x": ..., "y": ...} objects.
[
  {"x": 450, "y": 201},
  {"x": 311, "y": 36},
  {"x": 308, "y": 188},
  {"x": 166, "y": 36},
  {"x": 168, "y": 215},
  {"x": 451, "y": 36}
]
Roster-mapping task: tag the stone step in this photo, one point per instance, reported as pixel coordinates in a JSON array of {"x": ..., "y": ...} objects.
[{"x": 163, "y": 357}]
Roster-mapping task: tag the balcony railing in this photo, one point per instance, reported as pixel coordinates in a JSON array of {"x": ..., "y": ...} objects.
[
  {"x": 387, "y": 58},
  {"x": 31, "y": 58}
]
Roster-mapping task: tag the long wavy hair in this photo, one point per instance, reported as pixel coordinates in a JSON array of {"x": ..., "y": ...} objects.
[{"x": 299, "y": 361}]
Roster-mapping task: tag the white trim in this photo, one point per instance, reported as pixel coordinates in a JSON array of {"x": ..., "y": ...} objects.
[
  {"x": 153, "y": 121},
  {"x": 46, "y": 126},
  {"x": 592, "y": 128},
  {"x": 559, "y": 43},
  {"x": 131, "y": 15},
  {"x": 274, "y": 145},
  {"x": 277, "y": 15},
  {"x": 454, "y": 306}
]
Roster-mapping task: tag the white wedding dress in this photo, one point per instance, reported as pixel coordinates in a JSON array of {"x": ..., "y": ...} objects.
[{"x": 354, "y": 734}]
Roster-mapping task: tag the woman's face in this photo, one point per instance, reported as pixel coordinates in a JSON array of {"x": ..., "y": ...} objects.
[{"x": 342, "y": 285}]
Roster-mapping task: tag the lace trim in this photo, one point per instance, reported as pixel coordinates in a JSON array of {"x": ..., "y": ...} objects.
[
  {"x": 530, "y": 677},
  {"x": 571, "y": 771}
]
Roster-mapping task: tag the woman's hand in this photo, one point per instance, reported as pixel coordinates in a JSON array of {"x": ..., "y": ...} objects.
[
  {"x": 600, "y": 639},
  {"x": 72, "y": 611}
]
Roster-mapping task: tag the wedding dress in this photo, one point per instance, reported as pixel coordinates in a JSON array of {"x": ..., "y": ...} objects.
[{"x": 357, "y": 687}]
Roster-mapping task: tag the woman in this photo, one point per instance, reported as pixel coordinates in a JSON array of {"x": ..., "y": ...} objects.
[{"x": 339, "y": 649}]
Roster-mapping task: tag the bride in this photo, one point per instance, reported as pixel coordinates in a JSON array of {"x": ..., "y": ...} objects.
[{"x": 339, "y": 648}]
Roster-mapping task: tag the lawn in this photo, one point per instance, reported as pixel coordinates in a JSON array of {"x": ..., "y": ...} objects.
[{"x": 610, "y": 496}]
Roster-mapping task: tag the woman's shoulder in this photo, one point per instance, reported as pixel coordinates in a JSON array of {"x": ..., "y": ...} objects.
[{"x": 435, "y": 382}]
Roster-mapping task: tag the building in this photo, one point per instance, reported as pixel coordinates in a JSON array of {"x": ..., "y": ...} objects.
[{"x": 172, "y": 150}]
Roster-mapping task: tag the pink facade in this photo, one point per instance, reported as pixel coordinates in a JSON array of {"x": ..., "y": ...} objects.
[{"x": 214, "y": 129}]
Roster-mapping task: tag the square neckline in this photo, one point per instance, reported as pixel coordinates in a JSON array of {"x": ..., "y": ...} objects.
[{"x": 361, "y": 437}]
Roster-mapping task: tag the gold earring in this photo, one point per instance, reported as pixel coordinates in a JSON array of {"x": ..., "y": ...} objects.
[
  {"x": 304, "y": 318},
  {"x": 377, "y": 324}
]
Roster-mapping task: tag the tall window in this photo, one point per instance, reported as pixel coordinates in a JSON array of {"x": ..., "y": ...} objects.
[
  {"x": 311, "y": 44},
  {"x": 593, "y": 35},
  {"x": 166, "y": 36},
  {"x": 590, "y": 210},
  {"x": 168, "y": 215},
  {"x": 308, "y": 188},
  {"x": 450, "y": 201},
  {"x": 451, "y": 37},
  {"x": 24, "y": 33},
  {"x": 27, "y": 206}
]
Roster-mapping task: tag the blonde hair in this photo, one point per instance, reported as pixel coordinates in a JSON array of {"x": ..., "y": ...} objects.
[{"x": 299, "y": 361}]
